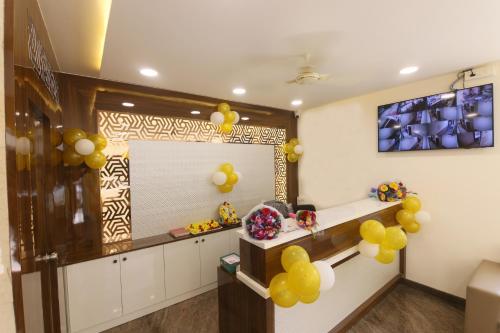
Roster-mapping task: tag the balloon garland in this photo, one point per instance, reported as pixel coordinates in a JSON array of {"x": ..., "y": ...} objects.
[
  {"x": 411, "y": 217},
  {"x": 380, "y": 242},
  {"x": 24, "y": 149},
  {"x": 302, "y": 281},
  {"x": 80, "y": 147},
  {"x": 225, "y": 118},
  {"x": 225, "y": 178},
  {"x": 293, "y": 150}
]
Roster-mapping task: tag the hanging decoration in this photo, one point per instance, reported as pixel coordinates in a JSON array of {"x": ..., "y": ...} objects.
[
  {"x": 225, "y": 118},
  {"x": 80, "y": 147},
  {"x": 293, "y": 150},
  {"x": 302, "y": 280},
  {"x": 226, "y": 177},
  {"x": 390, "y": 192},
  {"x": 380, "y": 242},
  {"x": 263, "y": 222},
  {"x": 411, "y": 217}
]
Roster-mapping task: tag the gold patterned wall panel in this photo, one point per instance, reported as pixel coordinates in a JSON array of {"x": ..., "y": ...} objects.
[{"x": 120, "y": 127}]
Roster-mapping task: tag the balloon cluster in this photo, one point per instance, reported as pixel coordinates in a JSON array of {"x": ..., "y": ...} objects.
[
  {"x": 380, "y": 242},
  {"x": 225, "y": 178},
  {"x": 24, "y": 150},
  {"x": 83, "y": 147},
  {"x": 225, "y": 118},
  {"x": 302, "y": 281},
  {"x": 294, "y": 150},
  {"x": 411, "y": 217}
]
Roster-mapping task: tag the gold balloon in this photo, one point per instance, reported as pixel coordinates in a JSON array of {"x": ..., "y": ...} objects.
[
  {"x": 96, "y": 160},
  {"x": 372, "y": 231},
  {"x": 280, "y": 293},
  {"x": 72, "y": 135},
  {"x": 292, "y": 157},
  {"x": 226, "y": 188},
  {"x": 227, "y": 168},
  {"x": 223, "y": 107},
  {"x": 232, "y": 179},
  {"x": 71, "y": 157},
  {"x": 294, "y": 141},
  {"x": 412, "y": 227},
  {"x": 55, "y": 138},
  {"x": 229, "y": 117},
  {"x": 226, "y": 128},
  {"x": 395, "y": 239},
  {"x": 405, "y": 217},
  {"x": 292, "y": 255},
  {"x": 288, "y": 148},
  {"x": 309, "y": 298},
  {"x": 99, "y": 141},
  {"x": 55, "y": 157},
  {"x": 303, "y": 279},
  {"x": 412, "y": 204},
  {"x": 385, "y": 255}
]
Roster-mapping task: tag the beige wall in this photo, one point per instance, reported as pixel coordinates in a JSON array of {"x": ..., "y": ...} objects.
[
  {"x": 460, "y": 188},
  {"x": 6, "y": 308}
]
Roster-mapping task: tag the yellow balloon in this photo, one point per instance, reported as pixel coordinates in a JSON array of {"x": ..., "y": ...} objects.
[
  {"x": 412, "y": 227},
  {"x": 385, "y": 255},
  {"x": 226, "y": 128},
  {"x": 405, "y": 217},
  {"x": 72, "y": 135},
  {"x": 71, "y": 157},
  {"x": 226, "y": 188},
  {"x": 229, "y": 117},
  {"x": 293, "y": 254},
  {"x": 303, "y": 279},
  {"x": 227, "y": 168},
  {"x": 55, "y": 138},
  {"x": 232, "y": 179},
  {"x": 99, "y": 141},
  {"x": 412, "y": 204},
  {"x": 395, "y": 239},
  {"x": 294, "y": 141},
  {"x": 372, "y": 231},
  {"x": 292, "y": 157},
  {"x": 223, "y": 107},
  {"x": 280, "y": 293},
  {"x": 309, "y": 298},
  {"x": 288, "y": 148},
  {"x": 96, "y": 160}
]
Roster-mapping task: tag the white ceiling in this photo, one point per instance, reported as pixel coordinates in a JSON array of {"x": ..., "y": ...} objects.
[{"x": 209, "y": 47}]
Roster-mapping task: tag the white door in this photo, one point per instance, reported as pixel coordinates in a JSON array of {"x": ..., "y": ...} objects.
[
  {"x": 212, "y": 247},
  {"x": 94, "y": 292},
  {"x": 143, "y": 278},
  {"x": 182, "y": 267}
]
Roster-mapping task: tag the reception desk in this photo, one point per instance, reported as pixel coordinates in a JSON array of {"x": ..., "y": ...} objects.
[{"x": 244, "y": 301}]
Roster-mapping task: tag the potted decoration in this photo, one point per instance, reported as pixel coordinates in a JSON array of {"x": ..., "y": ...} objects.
[{"x": 263, "y": 222}]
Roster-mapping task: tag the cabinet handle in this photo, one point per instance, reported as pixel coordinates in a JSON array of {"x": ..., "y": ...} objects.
[
  {"x": 196, "y": 242},
  {"x": 124, "y": 259},
  {"x": 203, "y": 240},
  {"x": 115, "y": 261}
]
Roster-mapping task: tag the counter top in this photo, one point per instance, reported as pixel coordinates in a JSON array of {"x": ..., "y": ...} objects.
[{"x": 326, "y": 218}]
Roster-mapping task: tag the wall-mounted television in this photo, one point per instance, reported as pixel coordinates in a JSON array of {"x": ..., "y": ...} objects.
[{"x": 458, "y": 119}]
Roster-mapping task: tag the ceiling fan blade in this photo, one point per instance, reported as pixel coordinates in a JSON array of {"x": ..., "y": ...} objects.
[{"x": 292, "y": 81}]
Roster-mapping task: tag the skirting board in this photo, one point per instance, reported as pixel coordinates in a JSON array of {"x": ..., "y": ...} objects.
[{"x": 456, "y": 301}]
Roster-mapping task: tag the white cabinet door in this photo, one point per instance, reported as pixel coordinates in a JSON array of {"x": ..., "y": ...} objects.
[
  {"x": 143, "y": 278},
  {"x": 234, "y": 240},
  {"x": 182, "y": 267},
  {"x": 212, "y": 247},
  {"x": 94, "y": 292}
]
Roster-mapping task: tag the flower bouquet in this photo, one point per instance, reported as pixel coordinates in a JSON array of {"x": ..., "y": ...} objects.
[
  {"x": 263, "y": 222},
  {"x": 227, "y": 214},
  {"x": 389, "y": 192},
  {"x": 306, "y": 219},
  {"x": 203, "y": 226}
]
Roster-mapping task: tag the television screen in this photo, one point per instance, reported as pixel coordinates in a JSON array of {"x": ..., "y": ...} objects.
[{"x": 459, "y": 119}]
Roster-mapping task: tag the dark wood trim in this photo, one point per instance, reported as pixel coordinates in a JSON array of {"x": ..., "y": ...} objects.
[
  {"x": 454, "y": 300},
  {"x": 366, "y": 306},
  {"x": 338, "y": 263},
  {"x": 402, "y": 262}
]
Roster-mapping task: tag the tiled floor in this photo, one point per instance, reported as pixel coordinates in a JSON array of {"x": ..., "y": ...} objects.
[{"x": 404, "y": 310}]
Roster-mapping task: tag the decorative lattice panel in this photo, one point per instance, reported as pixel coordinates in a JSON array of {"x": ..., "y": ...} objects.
[{"x": 120, "y": 127}]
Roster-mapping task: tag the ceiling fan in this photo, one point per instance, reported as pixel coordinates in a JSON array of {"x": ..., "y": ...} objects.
[{"x": 307, "y": 75}]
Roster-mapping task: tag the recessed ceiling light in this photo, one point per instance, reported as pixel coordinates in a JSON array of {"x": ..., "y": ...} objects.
[
  {"x": 296, "y": 102},
  {"x": 149, "y": 72},
  {"x": 245, "y": 118},
  {"x": 195, "y": 112},
  {"x": 128, "y": 104},
  {"x": 408, "y": 70},
  {"x": 239, "y": 91},
  {"x": 448, "y": 95}
]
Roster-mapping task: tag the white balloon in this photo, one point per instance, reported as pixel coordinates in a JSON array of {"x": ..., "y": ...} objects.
[
  {"x": 423, "y": 217},
  {"x": 23, "y": 145},
  {"x": 84, "y": 147},
  {"x": 236, "y": 117},
  {"x": 298, "y": 149},
  {"x": 217, "y": 118},
  {"x": 326, "y": 273},
  {"x": 219, "y": 178},
  {"x": 240, "y": 176},
  {"x": 368, "y": 249}
]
